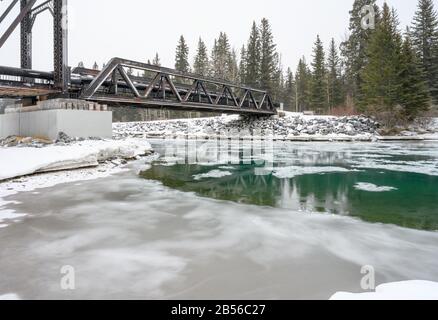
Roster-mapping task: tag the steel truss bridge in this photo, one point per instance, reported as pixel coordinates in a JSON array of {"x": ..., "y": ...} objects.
[{"x": 116, "y": 84}]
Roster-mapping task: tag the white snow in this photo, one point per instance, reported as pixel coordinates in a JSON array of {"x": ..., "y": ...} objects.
[
  {"x": 405, "y": 290},
  {"x": 212, "y": 174},
  {"x": 9, "y": 296},
  {"x": 21, "y": 161},
  {"x": 363, "y": 186},
  {"x": 295, "y": 171}
]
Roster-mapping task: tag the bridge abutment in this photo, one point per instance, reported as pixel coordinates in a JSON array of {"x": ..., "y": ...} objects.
[{"x": 76, "y": 118}]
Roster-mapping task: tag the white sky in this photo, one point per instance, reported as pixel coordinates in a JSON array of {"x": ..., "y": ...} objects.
[{"x": 137, "y": 29}]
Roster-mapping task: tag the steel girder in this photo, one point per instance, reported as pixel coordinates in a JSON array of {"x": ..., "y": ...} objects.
[{"x": 170, "y": 87}]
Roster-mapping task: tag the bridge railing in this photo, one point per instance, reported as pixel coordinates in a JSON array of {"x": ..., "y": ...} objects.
[{"x": 167, "y": 87}]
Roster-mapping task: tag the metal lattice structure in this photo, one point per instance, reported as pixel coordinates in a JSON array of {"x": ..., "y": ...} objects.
[
  {"x": 168, "y": 87},
  {"x": 115, "y": 85},
  {"x": 26, "y": 18}
]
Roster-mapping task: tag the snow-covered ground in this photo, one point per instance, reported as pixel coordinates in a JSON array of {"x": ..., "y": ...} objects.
[
  {"x": 21, "y": 161},
  {"x": 405, "y": 290},
  {"x": 291, "y": 126}
]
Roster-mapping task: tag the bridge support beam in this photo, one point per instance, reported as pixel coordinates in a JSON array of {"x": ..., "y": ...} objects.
[
  {"x": 26, "y": 37},
  {"x": 60, "y": 46}
]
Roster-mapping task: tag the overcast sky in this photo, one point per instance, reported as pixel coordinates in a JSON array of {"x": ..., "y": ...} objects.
[{"x": 137, "y": 29}]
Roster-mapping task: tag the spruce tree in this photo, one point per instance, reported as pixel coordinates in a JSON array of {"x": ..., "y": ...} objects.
[
  {"x": 182, "y": 56},
  {"x": 221, "y": 58},
  {"x": 302, "y": 86},
  {"x": 253, "y": 54},
  {"x": 318, "y": 87},
  {"x": 425, "y": 40},
  {"x": 355, "y": 47},
  {"x": 289, "y": 91},
  {"x": 414, "y": 93},
  {"x": 201, "y": 64},
  {"x": 269, "y": 58},
  {"x": 243, "y": 66},
  {"x": 380, "y": 76},
  {"x": 233, "y": 72},
  {"x": 335, "y": 97},
  {"x": 156, "y": 61}
]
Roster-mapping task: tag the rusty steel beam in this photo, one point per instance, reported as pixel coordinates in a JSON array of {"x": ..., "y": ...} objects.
[{"x": 24, "y": 11}]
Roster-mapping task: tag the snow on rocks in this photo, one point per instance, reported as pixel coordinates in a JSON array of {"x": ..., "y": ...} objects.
[
  {"x": 405, "y": 290},
  {"x": 21, "y": 161},
  {"x": 292, "y": 125}
]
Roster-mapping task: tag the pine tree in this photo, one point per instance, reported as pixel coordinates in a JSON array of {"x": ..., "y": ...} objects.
[
  {"x": 233, "y": 73},
  {"x": 201, "y": 64},
  {"x": 243, "y": 66},
  {"x": 302, "y": 86},
  {"x": 355, "y": 47},
  {"x": 156, "y": 61},
  {"x": 381, "y": 82},
  {"x": 335, "y": 97},
  {"x": 414, "y": 93},
  {"x": 289, "y": 91},
  {"x": 269, "y": 59},
  {"x": 95, "y": 66},
  {"x": 221, "y": 58},
  {"x": 182, "y": 56},
  {"x": 318, "y": 88},
  {"x": 425, "y": 40},
  {"x": 253, "y": 55}
]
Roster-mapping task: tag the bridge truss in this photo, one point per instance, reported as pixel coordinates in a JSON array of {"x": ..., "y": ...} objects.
[{"x": 121, "y": 81}]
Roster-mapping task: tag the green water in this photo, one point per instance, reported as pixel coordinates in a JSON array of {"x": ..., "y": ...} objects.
[{"x": 409, "y": 169}]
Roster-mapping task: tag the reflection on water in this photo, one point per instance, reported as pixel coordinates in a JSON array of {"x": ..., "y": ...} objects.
[{"x": 315, "y": 178}]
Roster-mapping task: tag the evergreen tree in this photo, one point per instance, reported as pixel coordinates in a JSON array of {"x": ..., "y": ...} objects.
[
  {"x": 201, "y": 64},
  {"x": 302, "y": 83},
  {"x": 318, "y": 88},
  {"x": 243, "y": 66},
  {"x": 95, "y": 66},
  {"x": 269, "y": 59},
  {"x": 335, "y": 97},
  {"x": 381, "y": 82},
  {"x": 156, "y": 61},
  {"x": 253, "y": 54},
  {"x": 425, "y": 40},
  {"x": 233, "y": 74},
  {"x": 355, "y": 47},
  {"x": 414, "y": 93},
  {"x": 289, "y": 91},
  {"x": 182, "y": 56},
  {"x": 221, "y": 58}
]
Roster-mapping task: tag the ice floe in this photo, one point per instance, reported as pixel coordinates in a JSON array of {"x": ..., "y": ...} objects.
[
  {"x": 363, "y": 186},
  {"x": 212, "y": 174},
  {"x": 295, "y": 171}
]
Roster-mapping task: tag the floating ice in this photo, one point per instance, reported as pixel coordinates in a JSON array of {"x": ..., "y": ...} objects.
[
  {"x": 212, "y": 174},
  {"x": 363, "y": 186},
  {"x": 9, "y": 296},
  {"x": 295, "y": 171}
]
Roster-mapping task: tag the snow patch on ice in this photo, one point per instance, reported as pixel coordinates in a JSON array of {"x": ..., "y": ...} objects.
[
  {"x": 363, "y": 186},
  {"x": 212, "y": 174},
  {"x": 9, "y": 296},
  {"x": 405, "y": 290},
  {"x": 295, "y": 171}
]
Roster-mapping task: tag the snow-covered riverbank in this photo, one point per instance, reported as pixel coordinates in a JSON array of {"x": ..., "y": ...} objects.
[
  {"x": 25, "y": 160},
  {"x": 291, "y": 126}
]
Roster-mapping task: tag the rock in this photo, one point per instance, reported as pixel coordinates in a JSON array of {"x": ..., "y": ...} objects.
[{"x": 64, "y": 138}]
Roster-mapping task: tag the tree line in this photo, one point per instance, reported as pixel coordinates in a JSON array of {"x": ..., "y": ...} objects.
[{"x": 380, "y": 69}]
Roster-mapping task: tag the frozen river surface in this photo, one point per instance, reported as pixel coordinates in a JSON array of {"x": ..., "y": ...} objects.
[{"x": 160, "y": 235}]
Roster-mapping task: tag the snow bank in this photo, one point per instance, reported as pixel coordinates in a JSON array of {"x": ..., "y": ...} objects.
[
  {"x": 10, "y": 296},
  {"x": 406, "y": 290},
  {"x": 363, "y": 186},
  {"x": 16, "y": 161}
]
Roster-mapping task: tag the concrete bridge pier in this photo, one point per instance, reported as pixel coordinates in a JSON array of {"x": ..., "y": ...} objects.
[{"x": 76, "y": 118}]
